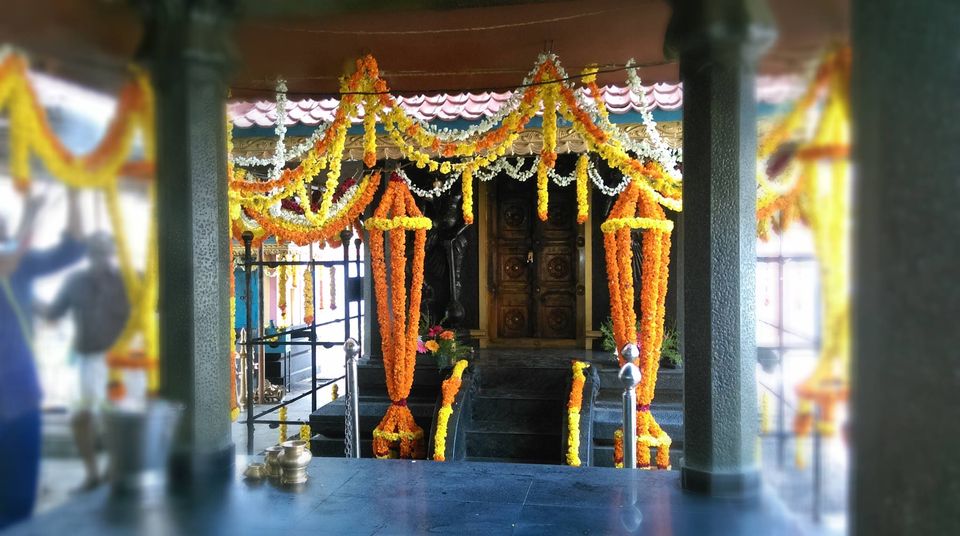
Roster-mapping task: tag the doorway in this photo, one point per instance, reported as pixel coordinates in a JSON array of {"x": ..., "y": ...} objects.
[{"x": 534, "y": 266}]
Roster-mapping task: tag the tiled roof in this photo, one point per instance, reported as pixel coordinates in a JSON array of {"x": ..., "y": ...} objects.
[{"x": 473, "y": 106}]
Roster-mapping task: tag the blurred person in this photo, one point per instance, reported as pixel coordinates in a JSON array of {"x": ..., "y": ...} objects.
[
  {"x": 20, "y": 392},
  {"x": 98, "y": 302}
]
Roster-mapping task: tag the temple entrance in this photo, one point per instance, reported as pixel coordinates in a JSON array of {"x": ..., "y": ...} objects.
[{"x": 534, "y": 266}]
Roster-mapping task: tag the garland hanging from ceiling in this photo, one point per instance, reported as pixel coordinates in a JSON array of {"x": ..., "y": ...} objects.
[
  {"x": 813, "y": 185},
  {"x": 298, "y": 203},
  {"x": 398, "y": 435}
]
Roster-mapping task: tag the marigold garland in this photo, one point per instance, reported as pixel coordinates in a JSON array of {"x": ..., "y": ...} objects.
[
  {"x": 283, "y": 424},
  {"x": 637, "y": 208},
  {"x": 305, "y": 432},
  {"x": 282, "y": 293},
  {"x": 574, "y": 405},
  {"x": 307, "y": 296},
  {"x": 819, "y": 197},
  {"x": 546, "y": 89},
  {"x": 583, "y": 185},
  {"x": 333, "y": 288},
  {"x": 398, "y": 435},
  {"x": 448, "y": 390},
  {"x": 321, "y": 291}
]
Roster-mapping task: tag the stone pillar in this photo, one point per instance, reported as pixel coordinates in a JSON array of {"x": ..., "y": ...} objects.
[
  {"x": 906, "y": 251},
  {"x": 185, "y": 46},
  {"x": 718, "y": 43}
]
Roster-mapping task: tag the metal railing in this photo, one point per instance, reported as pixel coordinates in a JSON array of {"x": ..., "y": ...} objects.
[{"x": 261, "y": 339}]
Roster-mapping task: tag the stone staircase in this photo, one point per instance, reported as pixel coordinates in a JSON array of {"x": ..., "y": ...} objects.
[
  {"x": 327, "y": 423},
  {"x": 667, "y": 409},
  {"x": 518, "y": 413}
]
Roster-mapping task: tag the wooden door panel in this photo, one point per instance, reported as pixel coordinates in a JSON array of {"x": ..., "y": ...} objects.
[
  {"x": 556, "y": 266},
  {"x": 557, "y": 315},
  {"x": 535, "y": 299}
]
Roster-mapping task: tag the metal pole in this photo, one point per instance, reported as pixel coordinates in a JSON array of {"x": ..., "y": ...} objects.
[
  {"x": 630, "y": 376},
  {"x": 247, "y": 239},
  {"x": 313, "y": 333},
  {"x": 345, "y": 244},
  {"x": 360, "y": 312},
  {"x": 351, "y": 432},
  {"x": 261, "y": 349}
]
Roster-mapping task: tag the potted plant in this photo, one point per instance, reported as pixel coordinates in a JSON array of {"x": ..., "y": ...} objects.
[{"x": 670, "y": 356}]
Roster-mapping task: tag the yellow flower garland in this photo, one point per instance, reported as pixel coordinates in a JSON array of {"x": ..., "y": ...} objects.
[
  {"x": 429, "y": 151},
  {"x": 307, "y": 296},
  {"x": 449, "y": 390},
  {"x": 283, "y": 426},
  {"x": 574, "y": 405},
  {"x": 583, "y": 185},
  {"x": 305, "y": 432}
]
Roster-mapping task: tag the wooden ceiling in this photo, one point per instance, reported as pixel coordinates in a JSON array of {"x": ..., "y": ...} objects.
[{"x": 422, "y": 46}]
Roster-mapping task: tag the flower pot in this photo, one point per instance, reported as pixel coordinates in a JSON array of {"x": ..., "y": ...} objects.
[{"x": 293, "y": 461}]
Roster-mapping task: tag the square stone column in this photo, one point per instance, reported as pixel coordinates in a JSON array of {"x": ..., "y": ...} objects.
[
  {"x": 905, "y": 392},
  {"x": 717, "y": 43},
  {"x": 185, "y": 46}
]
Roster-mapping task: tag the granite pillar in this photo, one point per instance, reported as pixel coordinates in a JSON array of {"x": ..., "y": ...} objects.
[
  {"x": 185, "y": 46},
  {"x": 717, "y": 43},
  {"x": 906, "y": 252}
]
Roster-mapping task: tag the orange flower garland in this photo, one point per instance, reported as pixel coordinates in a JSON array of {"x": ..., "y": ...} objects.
[
  {"x": 636, "y": 208},
  {"x": 302, "y": 235},
  {"x": 474, "y": 151},
  {"x": 398, "y": 435},
  {"x": 574, "y": 404}
]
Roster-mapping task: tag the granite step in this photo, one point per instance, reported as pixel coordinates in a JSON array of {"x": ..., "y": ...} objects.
[
  {"x": 518, "y": 407},
  {"x": 524, "y": 378},
  {"x": 332, "y": 447},
  {"x": 512, "y": 446},
  {"x": 328, "y": 420},
  {"x": 508, "y": 460},
  {"x": 667, "y": 380}
]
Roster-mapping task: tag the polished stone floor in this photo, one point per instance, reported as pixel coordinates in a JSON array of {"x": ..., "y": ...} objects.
[{"x": 403, "y": 497}]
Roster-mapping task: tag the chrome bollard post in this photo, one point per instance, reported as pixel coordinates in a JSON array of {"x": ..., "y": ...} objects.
[
  {"x": 352, "y": 403},
  {"x": 630, "y": 377}
]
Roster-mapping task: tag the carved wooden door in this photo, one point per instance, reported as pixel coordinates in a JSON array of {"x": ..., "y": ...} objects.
[{"x": 535, "y": 263}]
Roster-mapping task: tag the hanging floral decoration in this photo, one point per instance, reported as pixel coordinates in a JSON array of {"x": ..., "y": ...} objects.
[
  {"x": 398, "y": 435},
  {"x": 282, "y": 291},
  {"x": 637, "y": 208},
  {"x": 234, "y": 406},
  {"x": 321, "y": 288},
  {"x": 308, "y": 295},
  {"x": 583, "y": 185},
  {"x": 260, "y": 203},
  {"x": 283, "y": 424},
  {"x": 574, "y": 405},
  {"x": 333, "y": 288},
  {"x": 305, "y": 432},
  {"x": 809, "y": 180},
  {"x": 448, "y": 393}
]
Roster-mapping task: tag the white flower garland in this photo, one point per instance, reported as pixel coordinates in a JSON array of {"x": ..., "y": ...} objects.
[
  {"x": 281, "y": 155},
  {"x": 488, "y": 123},
  {"x": 518, "y": 171}
]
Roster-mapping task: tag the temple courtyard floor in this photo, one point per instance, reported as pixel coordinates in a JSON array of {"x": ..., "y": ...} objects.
[{"x": 415, "y": 497}]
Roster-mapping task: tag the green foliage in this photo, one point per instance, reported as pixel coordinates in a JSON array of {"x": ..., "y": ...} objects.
[{"x": 669, "y": 350}]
